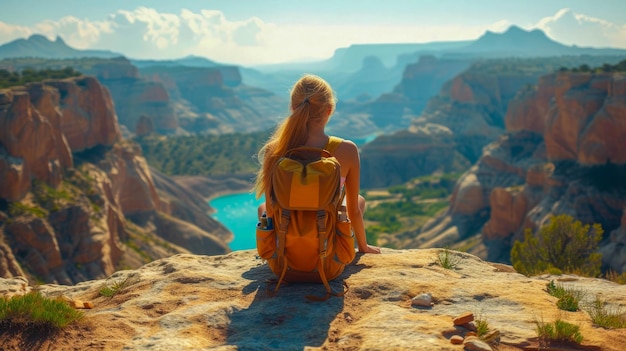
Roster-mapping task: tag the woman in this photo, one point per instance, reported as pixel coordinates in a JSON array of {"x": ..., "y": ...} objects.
[{"x": 312, "y": 104}]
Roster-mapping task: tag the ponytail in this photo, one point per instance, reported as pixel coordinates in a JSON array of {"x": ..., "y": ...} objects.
[{"x": 311, "y": 96}]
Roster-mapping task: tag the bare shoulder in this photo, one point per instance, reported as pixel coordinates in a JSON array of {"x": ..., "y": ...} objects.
[
  {"x": 348, "y": 153},
  {"x": 348, "y": 146}
]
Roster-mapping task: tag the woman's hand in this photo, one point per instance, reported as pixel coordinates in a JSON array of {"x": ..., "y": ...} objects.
[{"x": 370, "y": 249}]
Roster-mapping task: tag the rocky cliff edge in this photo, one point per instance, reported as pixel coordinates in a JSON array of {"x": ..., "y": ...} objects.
[{"x": 196, "y": 302}]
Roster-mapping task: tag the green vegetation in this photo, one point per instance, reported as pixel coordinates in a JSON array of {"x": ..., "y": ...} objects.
[
  {"x": 204, "y": 154},
  {"x": 34, "y": 309},
  {"x": 616, "y": 277},
  {"x": 559, "y": 331},
  {"x": 447, "y": 259},
  {"x": 30, "y": 75},
  {"x": 17, "y": 209},
  {"x": 605, "y": 68},
  {"x": 482, "y": 326},
  {"x": 563, "y": 244},
  {"x": 427, "y": 187},
  {"x": 568, "y": 299},
  {"x": 605, "y": 317},
  {"x": 392, "y": 214},
  {"x": 389, "y": 215},
  {"x": 542, "y": 65},
  {"x": 85, "y": 65},
  {"x": 50, "y": 198},
  {"x": 116, "y": 287}
]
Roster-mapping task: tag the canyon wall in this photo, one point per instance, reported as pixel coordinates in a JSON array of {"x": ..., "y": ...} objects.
[
  {"x": 471, "y": 107},
  {"x": 561, "y": 154},
  {"x": 69, "y": 183}
]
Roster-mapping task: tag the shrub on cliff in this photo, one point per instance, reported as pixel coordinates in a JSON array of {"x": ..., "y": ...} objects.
[
  {"x": 33, "y": 309},
  {"x": 563, "y": 244},
  {"x": 30, "y": 75}
]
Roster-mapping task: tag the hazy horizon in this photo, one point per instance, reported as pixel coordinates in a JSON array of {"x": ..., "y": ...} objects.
[{"x": 251, "y": 32}]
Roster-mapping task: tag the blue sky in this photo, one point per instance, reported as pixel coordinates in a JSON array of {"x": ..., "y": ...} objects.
[{"x": 267, "y": 31}]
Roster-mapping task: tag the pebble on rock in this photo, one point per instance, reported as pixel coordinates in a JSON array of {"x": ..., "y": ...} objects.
[
  {"x": 456, "y": 339},
  {"x": 424, "y": 300},
  {"x": 464, "y": 318}
]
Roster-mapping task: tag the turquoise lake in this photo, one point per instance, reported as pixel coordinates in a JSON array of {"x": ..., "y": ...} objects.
[{"x": 238, "y": 213}]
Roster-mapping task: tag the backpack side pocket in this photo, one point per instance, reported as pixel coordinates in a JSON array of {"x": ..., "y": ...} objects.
[
  {"x": 344, "y": 242},
  {"x": 265, "y": 242}
]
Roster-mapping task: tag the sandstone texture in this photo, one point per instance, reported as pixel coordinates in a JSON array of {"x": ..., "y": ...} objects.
[
  {"x": 557, "y": 157},
  {"x": 471, "y": 106},
  {"x": 135, "y": 96},
  {"x": 213, "y": 99},
  {"x": 176, "y": 98},
  {"x": 43, "y": 124},
  {"x": 199, "y": 303},
  {"x": 69, "y": 185},
  {"x": 393, "y": 159}
]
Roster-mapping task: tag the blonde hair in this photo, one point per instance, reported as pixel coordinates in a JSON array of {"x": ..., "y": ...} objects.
[{"x": 311, "y": 98}]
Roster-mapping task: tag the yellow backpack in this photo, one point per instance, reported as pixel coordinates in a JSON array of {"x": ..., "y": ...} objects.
[{"x": 309, "y": 238}]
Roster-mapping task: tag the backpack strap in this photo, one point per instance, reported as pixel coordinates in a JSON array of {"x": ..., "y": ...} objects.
[{"x": 333, "y": 144}]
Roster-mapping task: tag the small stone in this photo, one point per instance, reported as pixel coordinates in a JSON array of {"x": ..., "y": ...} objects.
[
  {"x": 471, "y": 333},
  {"x": 477, "y": 345},
  {"x": 424, "y": 300},
  {"x": 456, "y": 339},
  {"x": 88, "y": 304},
  {"x": 77, "y": 304},
  {"x": 464, "y": 318}
]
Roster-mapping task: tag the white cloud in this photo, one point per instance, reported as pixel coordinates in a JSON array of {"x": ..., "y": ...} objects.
[
  {"x": 10, "y": 32},
  {"x": 146, "y": 33},
  {"x": 500, "y": 26},
  {"x": 571, "y": 28}
]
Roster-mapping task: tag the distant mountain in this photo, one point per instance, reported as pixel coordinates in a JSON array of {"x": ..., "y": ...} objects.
[
  {"x": 39, "y": 46},
  {"x": 522, "y": 43},
  {"x": 188, "y": 61},
  {"x": 350, "y": 59}
]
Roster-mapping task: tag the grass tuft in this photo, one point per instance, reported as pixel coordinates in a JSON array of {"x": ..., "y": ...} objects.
[
  {"x": 569, "y": 298},
  {"x": 616, "y": 277},
  {"x": 558, "y": 331},
  {"x": 116, "y": 287},
  {"x": 36, "y": 310},
  {"x": 448, "y": 260},
  {"x": 482, "y": 327},
  {"x": 604, "y": 316}
]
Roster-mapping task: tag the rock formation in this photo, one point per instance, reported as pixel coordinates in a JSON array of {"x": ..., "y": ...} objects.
[
  {"x": 206, "y": 103},
  {"x": 43, "y": 123},
  {"x": 220, "y": 302},
  {"x": 423, "y": 80},
  {"x": 69, "y": 183},
  {"x": 134, "y": 95},
  {"x": 393, "y": 159},
  {"x": 198, "y": 99},
  {"x": 472, "y": 106},
  {"x": 561, "y": 154}
]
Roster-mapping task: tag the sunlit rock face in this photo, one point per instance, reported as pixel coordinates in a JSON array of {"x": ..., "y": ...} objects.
[
  {"x": 213, "y": 99},
  {"x": 395, "y": 158},
  {"x": 68, "y": 183},
  {"x": 561, "y": 154},
  {"x": 473, "y": 105},
  {"x": 221, "y": 302},
  {"x": 136, "y": 96},
  {"x": 43, "y": 123}
]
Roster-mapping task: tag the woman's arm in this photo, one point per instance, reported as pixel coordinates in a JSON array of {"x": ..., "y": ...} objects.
[{"x": 353, "y": 181}]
